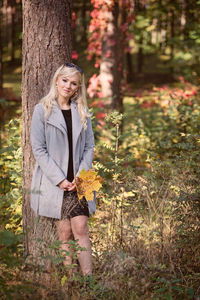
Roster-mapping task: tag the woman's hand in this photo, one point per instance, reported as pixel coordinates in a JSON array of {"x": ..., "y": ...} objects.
[
  {"x": 65, "y": 185},
  {"x": 73, "y": 186}
]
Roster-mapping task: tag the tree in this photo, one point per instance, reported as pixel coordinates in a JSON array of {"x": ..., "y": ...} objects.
[
  {"x": 46, "y": 45},
  {"x": 110, "y": 74},
  {"x": 108, "y": 42},
  {"x": 1, "y": 53}
]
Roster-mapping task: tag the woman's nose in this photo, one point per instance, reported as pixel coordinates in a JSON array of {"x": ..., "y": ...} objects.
[{"x": 68, "y": 84}]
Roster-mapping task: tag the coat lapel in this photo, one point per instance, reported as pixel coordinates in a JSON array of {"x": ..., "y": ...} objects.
[
  {"x": 56, "y": 119},
  {"x": 76, "y": 123}
]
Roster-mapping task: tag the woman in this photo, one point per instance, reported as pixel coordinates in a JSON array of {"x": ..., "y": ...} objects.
[{"x": 63, "y": 144}]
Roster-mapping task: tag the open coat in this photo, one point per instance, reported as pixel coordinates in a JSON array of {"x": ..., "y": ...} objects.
[{"x": 50, "y": 148}]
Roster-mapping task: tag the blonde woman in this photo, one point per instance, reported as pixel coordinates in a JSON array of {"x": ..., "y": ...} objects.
[{"x": 63, "y": 144}]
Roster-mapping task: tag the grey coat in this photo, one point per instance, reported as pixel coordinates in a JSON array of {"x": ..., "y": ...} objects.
[{"x": 49, "y": 142}]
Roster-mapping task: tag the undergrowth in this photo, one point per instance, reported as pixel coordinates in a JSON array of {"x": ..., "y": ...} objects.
[{"x": 145, "y": 233}]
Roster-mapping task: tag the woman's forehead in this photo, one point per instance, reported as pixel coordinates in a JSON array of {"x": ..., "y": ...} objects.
[{"x": 74, "y": 77}]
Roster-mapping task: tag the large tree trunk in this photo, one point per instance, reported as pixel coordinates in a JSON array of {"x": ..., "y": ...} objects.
[{"x": 46, "y": 45}]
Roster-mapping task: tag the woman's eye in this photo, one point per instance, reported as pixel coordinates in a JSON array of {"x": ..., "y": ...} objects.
[{"x": 65, "y": 80}]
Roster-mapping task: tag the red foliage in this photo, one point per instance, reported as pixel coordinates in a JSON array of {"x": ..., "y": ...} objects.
[
  {"x": 73, "y": 19},
  {"x": 74, "y": 55},
  {"x": 100, "y": 115},
  {"x": 98, "y": 103},
  {"x": 98, "y": 24},
  {"x": 97, "y": 27},
  {"x": 94, "y": 86},
  {"x": 147, "y": 104}
]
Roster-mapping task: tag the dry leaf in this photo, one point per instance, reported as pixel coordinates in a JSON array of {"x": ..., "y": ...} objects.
[{"x": 86, "y": 183}]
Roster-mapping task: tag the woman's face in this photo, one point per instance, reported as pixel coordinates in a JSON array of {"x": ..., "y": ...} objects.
[{"x": 67, "y": 86}]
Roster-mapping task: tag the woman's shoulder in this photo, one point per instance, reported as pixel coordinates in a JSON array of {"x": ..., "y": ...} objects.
[
  {"x": 39, "y": 108},
  {"x": 39, "y": 111}
]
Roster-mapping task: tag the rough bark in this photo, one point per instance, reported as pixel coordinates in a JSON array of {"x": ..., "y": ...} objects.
[{"x": 46, "y": 45}]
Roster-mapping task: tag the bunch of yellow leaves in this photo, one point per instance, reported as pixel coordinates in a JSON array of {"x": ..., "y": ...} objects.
[{"x": 86, "y": 183}]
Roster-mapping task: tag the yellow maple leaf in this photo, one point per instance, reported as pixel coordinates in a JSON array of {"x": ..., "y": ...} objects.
[{"x": 86, "y": 183}]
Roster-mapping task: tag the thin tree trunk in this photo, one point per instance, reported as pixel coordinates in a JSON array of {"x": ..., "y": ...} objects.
[
  {"x": 84, "y": 22},
  {"x": 130, "y": 73},
  {"x": 140, "y": 56},
  {"x": 140, "y": 8},
  {"x": 129, "y": 64},
  {"x": 1, "y": 54},
  {"x": 172, "y": 41},
  {"x": 12, "y": 29},
  {"x": 117, "y": 100},
  {"x": 111, "y": 68},
  {"x": 190, "y": 6},
  {"x": 46, "y": 45}
]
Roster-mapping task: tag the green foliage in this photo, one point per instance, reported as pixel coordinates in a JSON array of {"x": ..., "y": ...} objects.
[
  {"x": 149, "y": 209},
  {"x": 10, "y": 206},
  {"x": 11, "y": 177},
  {"x": 145, "y": 234}
]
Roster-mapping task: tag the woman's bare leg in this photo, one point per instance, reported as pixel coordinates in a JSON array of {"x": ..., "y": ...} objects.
[
  {"x": 80, "y": 232},
  {"x": 64, "y": 234}
]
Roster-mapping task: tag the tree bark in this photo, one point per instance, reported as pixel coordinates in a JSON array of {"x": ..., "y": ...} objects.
[{"x": 46, "y": 45}]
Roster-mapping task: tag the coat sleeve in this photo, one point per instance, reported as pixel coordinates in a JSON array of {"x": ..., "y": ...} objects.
[
  {"x": 38, "y": 142},
  {"x": 86, "y": 162}
]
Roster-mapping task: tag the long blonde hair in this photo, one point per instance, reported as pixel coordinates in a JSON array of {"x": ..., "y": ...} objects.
[{"x": 50, "y": 99}]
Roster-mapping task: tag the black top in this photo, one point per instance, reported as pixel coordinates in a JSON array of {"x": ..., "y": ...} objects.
[{"x": 68, "y": 119}]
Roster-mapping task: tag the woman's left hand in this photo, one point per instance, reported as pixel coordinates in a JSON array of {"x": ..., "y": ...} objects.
[{"x": 73, "y": 187}]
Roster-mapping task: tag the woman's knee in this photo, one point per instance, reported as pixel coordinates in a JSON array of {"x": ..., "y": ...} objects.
[
  {"x": 79, "y": 226},
  {"x": 64, "y": 230}
]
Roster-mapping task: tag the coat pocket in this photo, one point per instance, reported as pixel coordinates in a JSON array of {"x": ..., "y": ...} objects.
[{"x": 47, "y": 188}]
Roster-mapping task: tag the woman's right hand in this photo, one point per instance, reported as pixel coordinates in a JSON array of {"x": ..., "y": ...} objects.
[{"x": 65, "y": 184}]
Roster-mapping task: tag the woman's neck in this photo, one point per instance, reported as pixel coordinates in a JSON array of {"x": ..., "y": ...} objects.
[{"x": 64, "y": 103}]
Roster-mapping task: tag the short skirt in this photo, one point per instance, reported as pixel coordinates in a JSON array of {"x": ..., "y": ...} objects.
[{"x": 72, "y": 207}]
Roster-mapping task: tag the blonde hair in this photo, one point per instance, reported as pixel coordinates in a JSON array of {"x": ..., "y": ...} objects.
[{"x": 50, "y": 99}]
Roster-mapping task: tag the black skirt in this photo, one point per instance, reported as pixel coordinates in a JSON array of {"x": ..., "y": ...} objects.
[{"x": 72, "y": 207}]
